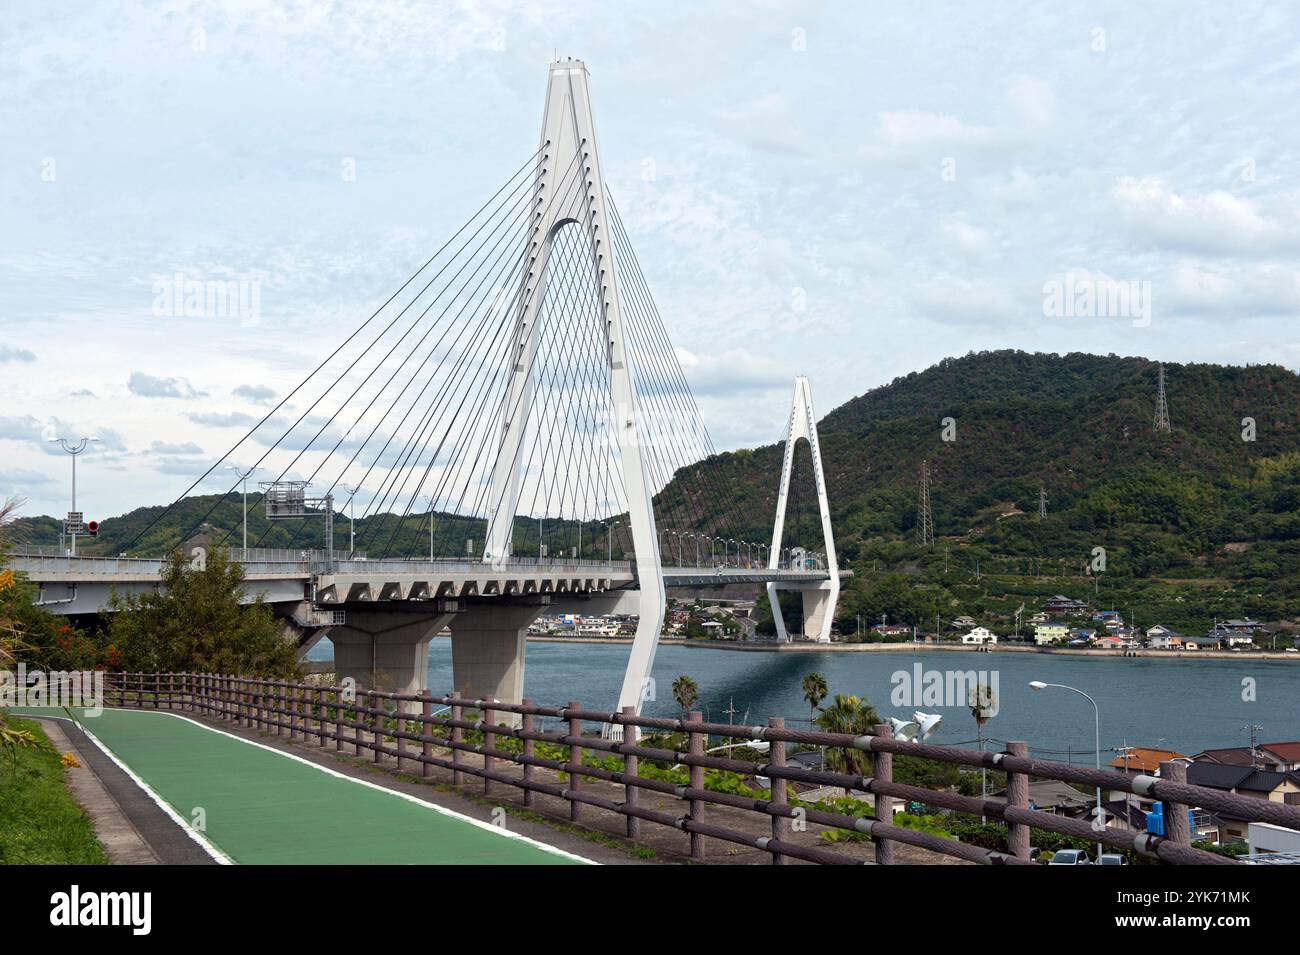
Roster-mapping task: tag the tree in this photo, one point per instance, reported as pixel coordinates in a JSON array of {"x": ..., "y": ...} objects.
[
  {"x": 814, "y": 691},
  {"x": 685, "y": 691},
  {"x": 852, "y": 715},
  {"x": 197, "y": 622}
]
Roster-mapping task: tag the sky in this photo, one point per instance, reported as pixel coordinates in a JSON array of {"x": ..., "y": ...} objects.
[{"x": 844, "y": 190}]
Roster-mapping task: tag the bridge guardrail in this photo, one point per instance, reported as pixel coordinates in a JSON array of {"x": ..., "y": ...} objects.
[{"x": 364, "y": 721}]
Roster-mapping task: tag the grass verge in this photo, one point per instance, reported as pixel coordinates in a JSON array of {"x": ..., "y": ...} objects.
[{"x": 40, "y": 824}]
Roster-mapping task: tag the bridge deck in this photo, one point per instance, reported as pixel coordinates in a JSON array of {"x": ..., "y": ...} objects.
[{"x": 265, "y": 806}]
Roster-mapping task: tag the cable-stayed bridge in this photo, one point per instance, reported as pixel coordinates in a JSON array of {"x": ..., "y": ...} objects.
[{"x": 522, "y": 432}]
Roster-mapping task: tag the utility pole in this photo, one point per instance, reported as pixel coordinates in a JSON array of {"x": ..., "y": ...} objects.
[
  {"x": 72, "y": 526},
  {"x": 1162, "y": 407},
  {"x": 1255, "y": 730},
  {"x": 924, "y": 518},
  {"x": 243, "y": 479}
]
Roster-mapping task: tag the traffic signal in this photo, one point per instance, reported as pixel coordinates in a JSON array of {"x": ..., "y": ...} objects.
[{"x": 92, "y": 528}]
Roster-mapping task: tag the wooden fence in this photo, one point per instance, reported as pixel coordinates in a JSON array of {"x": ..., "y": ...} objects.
[{"x": 422, "y": 731}]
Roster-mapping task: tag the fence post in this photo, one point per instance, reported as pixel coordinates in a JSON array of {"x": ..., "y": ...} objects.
[
  {"x": 1178, "y": 828},
  {"x": 489, "y": 741},
  {"x": 1018, "y": 798},
  {"x": 780, "y": 790},
  {"x": 426, "y": 730},
  {"x": 457, "y": 737},
  {"x": 381, "y": 725},
  {"x": 291, "y": 704},
  {"x": 575, "y": 763},
  {"x": 629, "y": 772},
  {"x": 338, "y": 719},
  {"x": 527, "y": 726},
  {"x": 695, "y": 747},
  {"x": 884, "y": 772},
  {"x": 401, "y": 727},
  {"x": 171, "y": 691}
]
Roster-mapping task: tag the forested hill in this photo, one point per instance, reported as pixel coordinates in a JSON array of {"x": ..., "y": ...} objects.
[{"x": 1198, "y": 501}]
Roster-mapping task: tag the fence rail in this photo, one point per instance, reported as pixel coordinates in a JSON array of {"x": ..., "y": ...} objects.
[{"x": 406, "y": 728}]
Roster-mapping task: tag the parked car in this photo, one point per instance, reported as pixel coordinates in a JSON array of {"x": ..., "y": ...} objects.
[
  {"x": 1111, "y": 858},
  {"x": 1070, "y": 857}
]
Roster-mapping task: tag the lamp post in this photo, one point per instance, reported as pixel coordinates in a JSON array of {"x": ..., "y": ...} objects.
[
  {"x": 243, "y": 479},
  {"x": 352, "y": 537},
  {"x": 73, "y": 450},
  {"x": 609, "y": 540},
  {"x": 430, "y": 499},
  {"x": 1096, "y": 711}
]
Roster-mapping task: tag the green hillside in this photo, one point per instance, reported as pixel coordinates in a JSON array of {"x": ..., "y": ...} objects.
[{"x": 1195, "y": 524}]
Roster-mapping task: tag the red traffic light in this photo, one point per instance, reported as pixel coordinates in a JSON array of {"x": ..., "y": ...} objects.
[{"x": 92, "y": 528}]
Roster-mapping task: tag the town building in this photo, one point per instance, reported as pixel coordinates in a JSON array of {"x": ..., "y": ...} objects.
[
  {"x": 1280, "y": 757},
  {"x": 1063, "y": 606},
  {"x": 1050, "y": 633},
  {"x": 980, "y": 635},
  {"x": 1258, "y": 783}
]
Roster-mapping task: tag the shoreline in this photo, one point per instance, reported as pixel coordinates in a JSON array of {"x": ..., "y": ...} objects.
[{"x": 739, "y": 647}]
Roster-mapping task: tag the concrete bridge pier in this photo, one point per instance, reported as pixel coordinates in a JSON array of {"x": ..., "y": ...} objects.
[
  {"x": 387, "y": 649},
  {"x": 818, "y": 614},
  {"x": 487, "y": 652}
]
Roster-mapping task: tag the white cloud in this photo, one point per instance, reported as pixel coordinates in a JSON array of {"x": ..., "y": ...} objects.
[
  {"x": 258, "y": 394},
  {"x": 1210, "y": 222},
  {"x": 13, "y": 353},
  {"x": 174, "y": 447},
  {"x": 1236, "y": 292},
  {"x": 970, "y": 240},
  {"x": 908, "y": 129},
  {"x": 147, "y": 386}
]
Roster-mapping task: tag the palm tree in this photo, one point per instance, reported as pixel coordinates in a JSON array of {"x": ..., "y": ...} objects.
[
  {"x": 685, "y": 691},
  {"x": 814, "y": 691},
  {"x": 853, "y": 715}
]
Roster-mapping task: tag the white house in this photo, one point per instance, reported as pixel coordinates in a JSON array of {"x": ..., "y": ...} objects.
[
  {"x": 1161, "y": 637},
  {"x": 1050, "y": 633},
  {"x": 979, "y": 635}
]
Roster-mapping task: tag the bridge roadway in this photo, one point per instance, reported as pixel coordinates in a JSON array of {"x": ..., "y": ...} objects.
[{"x": 381, "y": 614}]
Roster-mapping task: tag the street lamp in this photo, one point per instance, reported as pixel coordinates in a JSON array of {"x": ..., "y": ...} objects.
[
  {"x": 69, "y": 524},
  {"x": 609, "y": 540},
  {"x": 430, "y": 498},
  {"x": 1096, "y": 711},
  {"x": 243, "y": 479},
  {"x": 352, "y": 537}
]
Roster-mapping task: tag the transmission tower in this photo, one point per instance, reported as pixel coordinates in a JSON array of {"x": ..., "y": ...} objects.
[
  {"x": 1162, "y": 408},
  {"x": 924, "y": 519},
  {"x": 1042, "y": 501}
]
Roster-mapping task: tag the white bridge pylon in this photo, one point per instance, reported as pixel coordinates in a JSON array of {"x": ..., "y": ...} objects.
[
  {"x": 568, "y": 143},
  {"x": 819, "y": 600}
]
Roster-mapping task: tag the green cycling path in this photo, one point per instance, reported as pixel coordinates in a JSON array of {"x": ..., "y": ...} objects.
[{"x": 262, "y": 806}]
